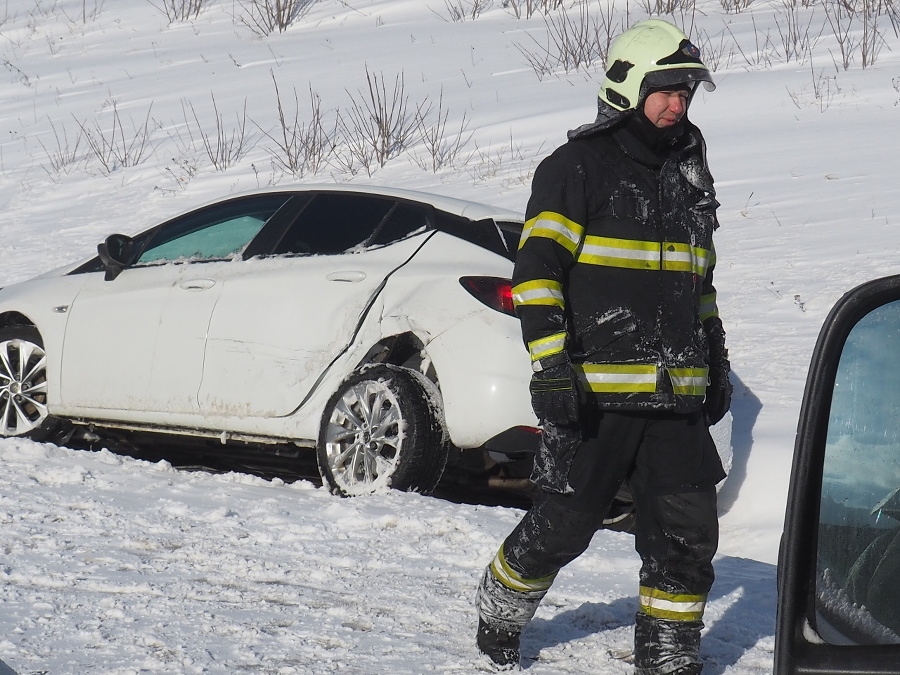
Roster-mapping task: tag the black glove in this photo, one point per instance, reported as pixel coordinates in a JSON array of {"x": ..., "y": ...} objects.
[
  {"x": 718, "y": 391},
  {"x": 554, "y": 393}
]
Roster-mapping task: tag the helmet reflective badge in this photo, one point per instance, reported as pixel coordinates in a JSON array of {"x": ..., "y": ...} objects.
[{"x": 650, "y": 54}]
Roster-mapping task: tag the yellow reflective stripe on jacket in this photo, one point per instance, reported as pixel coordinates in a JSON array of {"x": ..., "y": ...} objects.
[
  {"x": 689, "y": 381},
  {"x": 676, "y": 606},
  {"x": 567, "y": 233},
  {"x": 507, "y": 576},
  {"x": 708, "y": 306},
  {"x": 619, "y": 378},
  {"x": 612, "y": 252},
  {"x": 647, "y": 255},
  {"x": 685, "y": 258},
  {"x": 545, "y": 346},
  {"x": 538, "y": 292}
]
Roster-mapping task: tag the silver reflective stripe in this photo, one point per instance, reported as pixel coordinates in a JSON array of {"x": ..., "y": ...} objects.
[
  {"x": 619, "y": 378},
  {"x": 676, "y": 606},
  {"x": 689, "y": 381},
  {"x": 685, "y": 258},
  {"x": 511, "y": 579},
  {"x": 612, "y": 252},
  {"x": 552, "y": 344},
  {"x": 538, "y": 292},
  {"x": 553, "y": 226}
]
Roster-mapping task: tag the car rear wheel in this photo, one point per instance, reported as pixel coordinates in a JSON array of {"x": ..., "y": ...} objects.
[
  {"x": 23, "y": 385},
  {"x": 380, "y": 431}
]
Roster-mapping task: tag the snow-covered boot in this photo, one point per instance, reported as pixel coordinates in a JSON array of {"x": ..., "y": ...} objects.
[
  {"x": 500, "y": 646},
  {"x": 666, "y": 646},
  {"x": 503, "y": 611}
]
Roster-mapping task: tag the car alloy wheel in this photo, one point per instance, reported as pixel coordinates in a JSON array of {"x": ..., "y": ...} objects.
[
  {"x": 23, "y": 383},
  {"x": 380, "y": 431}
]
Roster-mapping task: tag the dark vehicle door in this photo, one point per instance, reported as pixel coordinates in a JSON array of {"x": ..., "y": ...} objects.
[{"x": 839, "y": 564}]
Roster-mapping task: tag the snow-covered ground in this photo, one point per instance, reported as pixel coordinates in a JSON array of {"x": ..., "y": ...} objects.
[{"x": 116, "y": 566}]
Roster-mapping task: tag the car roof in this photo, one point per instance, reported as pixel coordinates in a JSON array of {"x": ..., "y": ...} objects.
[{"x": 454, "y": 205}]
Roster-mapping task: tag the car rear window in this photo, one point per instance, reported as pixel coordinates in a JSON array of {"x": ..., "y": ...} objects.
[{"x": 500, "y": 237}]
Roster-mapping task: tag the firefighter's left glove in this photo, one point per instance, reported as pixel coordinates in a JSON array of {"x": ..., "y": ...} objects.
[
  {"x": 719, "y": 389},
  {"x": 554, "y": 391}
]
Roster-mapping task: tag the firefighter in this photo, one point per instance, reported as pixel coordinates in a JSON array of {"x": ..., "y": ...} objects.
[{"x": 613, "y": 285}]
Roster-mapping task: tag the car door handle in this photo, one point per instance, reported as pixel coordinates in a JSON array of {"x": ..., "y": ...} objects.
[
  {"x": 353, "y": 276},
  {"x": 197, "y": 284}
]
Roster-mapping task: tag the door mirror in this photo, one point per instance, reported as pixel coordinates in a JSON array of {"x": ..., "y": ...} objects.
[
  {"x": 115, "y": 254},
  {"x": 839, "y": 564}
]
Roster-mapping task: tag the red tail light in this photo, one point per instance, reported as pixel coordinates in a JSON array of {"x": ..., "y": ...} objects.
[{"x": 495, "y": 292}]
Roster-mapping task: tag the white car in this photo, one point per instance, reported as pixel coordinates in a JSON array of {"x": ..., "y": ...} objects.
[{"x": 373, "y": 324}]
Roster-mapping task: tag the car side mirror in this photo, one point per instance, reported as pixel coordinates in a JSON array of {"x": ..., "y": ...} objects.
[{"x": 115, "y": 254}]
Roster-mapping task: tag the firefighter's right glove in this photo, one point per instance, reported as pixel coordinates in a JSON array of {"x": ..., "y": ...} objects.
[{"x": 554, "y": 392}]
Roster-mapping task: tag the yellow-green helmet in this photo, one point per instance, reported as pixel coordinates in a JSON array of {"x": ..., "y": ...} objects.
[{"x": 650, "y": 54}]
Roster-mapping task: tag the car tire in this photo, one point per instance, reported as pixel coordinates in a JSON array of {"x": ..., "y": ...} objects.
[
  {"x": 381, "y": 430},
  {"x": 23, "y": 385}
]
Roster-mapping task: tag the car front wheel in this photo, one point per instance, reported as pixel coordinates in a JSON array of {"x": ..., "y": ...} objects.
[
  {"x": 380, "y": 430},
  {"x": 23, "y": 384}
]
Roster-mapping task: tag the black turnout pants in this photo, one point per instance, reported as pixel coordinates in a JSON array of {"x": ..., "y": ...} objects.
[{"x": 672, "y": 467}]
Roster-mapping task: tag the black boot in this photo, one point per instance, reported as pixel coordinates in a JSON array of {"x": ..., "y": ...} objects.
[
  {"x": 500, "y": 646},
  {"x": 666, "y": 647}
]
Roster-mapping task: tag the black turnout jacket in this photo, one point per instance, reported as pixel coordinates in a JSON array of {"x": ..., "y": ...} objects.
[{"x": 615, "y": 266}]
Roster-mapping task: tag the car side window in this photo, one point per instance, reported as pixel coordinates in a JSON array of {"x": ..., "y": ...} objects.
[
  {"x": 858, "y": 549},
  {"x": 401, "y": 222},
  {"x": 216, "y": 232},
  {"x": 334, "y": 223}
]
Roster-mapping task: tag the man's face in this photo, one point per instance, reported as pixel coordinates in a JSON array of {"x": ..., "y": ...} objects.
[{"x": 666, "y": 108}]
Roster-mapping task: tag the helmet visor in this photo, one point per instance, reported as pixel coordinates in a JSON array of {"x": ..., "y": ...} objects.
[{"x": 672, "y": 76}]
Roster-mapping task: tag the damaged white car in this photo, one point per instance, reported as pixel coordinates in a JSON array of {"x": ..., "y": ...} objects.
[{"x": 375, "y": 325}]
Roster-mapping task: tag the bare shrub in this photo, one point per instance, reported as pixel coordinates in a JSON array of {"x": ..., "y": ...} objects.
[
  {"x": 17, "y": 72},
  {"x": 763, "y": 48},
  {"x": 526, "y": 8},
  {"x": 824, "y": 89},
  {"x": 575, "y": 39},
  {"x": 872, "y": 37},
  {"x": 378, "y": 125},
  {"x": 442, "y": 149},
  {"x": 460, "y": 10},
  {"x": 716, "y": 51},
  {"x": 672, "y": 7},
  {"x": 179, "y": 10},
  {"x": 115, "y": 147},
  {"x": 224, "y": 147},
  {"x": 5, "y": 16},
  {"x": 855, "y": 26},
  {"x": 509, "y": 162},
  {"x": 89, "y": 10},
  {"x": 264, "y": 17},
  {"x": 63, "y": 156},
  {"x": 300, "y": 147},
  {"x": 796, "y": 40},
  {"x": 735, "y": 6}
]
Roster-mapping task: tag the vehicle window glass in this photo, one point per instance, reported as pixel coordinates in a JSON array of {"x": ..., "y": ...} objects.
[
  {"x": 858, "y": 558},
  {"x": 218, "y": 231},
  {"x": 483, "y": 233},
  {"x": 400, "y": 223},
  {"x": 334, "y": 223}
]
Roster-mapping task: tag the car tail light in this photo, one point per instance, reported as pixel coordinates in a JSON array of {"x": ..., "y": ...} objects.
[{"x": 495, "y": 292}]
